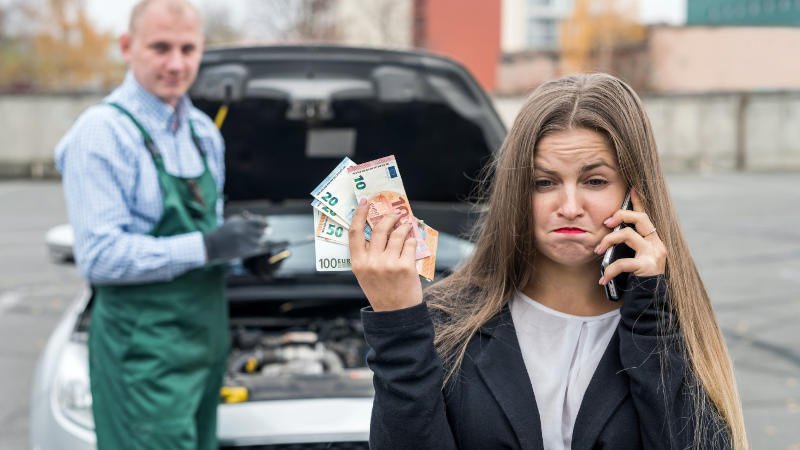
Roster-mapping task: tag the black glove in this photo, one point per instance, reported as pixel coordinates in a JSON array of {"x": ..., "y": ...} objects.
[{"x": 238, "y": 237}]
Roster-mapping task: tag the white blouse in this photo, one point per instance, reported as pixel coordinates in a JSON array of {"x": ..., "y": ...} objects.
[{"x": 561, "y": 352}]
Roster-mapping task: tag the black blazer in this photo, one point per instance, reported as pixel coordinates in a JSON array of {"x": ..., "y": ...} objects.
[{"x": 490, "y": 403}]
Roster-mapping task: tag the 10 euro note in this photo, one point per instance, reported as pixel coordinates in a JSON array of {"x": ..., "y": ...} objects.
[{"x": 379, "y": 182}]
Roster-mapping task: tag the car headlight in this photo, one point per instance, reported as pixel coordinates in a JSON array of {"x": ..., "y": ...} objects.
[{"x": 72, "y": 394}]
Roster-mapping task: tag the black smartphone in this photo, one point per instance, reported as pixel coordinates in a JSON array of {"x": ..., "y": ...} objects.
[{"x": 615, "y": 286}]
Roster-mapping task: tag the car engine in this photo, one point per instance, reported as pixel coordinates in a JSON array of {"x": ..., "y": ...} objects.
[{"x": 312, "y": 358}]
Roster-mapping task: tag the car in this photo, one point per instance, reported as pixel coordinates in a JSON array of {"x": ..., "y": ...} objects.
[{"x": 297, "y": 375}]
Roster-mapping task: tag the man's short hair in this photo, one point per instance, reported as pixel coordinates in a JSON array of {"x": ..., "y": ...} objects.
[{"x": 175, "y": 7}]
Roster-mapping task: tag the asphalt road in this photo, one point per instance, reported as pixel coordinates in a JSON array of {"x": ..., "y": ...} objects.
[{"x": 743, "y": 229}]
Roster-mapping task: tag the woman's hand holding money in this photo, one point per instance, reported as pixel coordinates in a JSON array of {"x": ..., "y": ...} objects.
[{"x": 385, "y": 266}]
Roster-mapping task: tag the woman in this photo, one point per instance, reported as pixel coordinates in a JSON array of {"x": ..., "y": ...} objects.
[{"x": 520, "y": 348}]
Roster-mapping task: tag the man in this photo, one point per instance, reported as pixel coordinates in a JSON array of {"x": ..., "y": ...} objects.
[{"x": 143, "y": 175}]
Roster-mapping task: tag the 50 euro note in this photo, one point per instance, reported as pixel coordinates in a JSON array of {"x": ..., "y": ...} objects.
[
  {"x": 330, "y": 227},
  {"x": 330, "y": 230},
  {"x": 379, "y": 182},
  {"x": 330, "y": 256}
]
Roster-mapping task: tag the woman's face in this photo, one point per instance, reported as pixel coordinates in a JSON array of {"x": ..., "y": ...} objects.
[{"x": 576, "y": 187}]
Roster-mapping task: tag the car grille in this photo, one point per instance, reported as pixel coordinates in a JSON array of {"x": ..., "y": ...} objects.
[{"x": 311, "y": 446}]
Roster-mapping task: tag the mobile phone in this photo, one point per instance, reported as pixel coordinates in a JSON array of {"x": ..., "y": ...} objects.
[{"x": 617, "y": 285}]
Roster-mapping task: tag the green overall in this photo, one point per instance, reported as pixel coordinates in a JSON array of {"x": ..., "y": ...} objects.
[{"x": 157, "y": 351}]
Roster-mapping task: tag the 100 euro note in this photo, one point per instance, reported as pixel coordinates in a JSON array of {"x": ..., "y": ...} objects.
[
  {"x": 330, "y": 256},
  {"x": 379, "y": 182}
]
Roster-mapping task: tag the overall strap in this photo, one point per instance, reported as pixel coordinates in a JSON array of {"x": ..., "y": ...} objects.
[
  {"x": 148, "y": 141},
  {"x": 196, "y": 140}
]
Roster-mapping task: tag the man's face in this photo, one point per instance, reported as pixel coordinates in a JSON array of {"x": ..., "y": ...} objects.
[{"x": 164, "y": 51}]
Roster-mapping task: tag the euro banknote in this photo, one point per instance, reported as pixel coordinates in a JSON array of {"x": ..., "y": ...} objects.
[
  {"x": 380, "y": 183},
  {"x": 318, "y": 205},
  {"x": 330, "y": 256},
  {"x": 334, "y": 202},
  {"x": 426, "y": 267},
  {"x": 336, "y": 193},
  {"x": 330, "y": 230}
]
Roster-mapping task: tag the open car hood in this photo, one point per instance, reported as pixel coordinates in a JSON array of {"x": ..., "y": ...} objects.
[{"x": 295, "y": 112}]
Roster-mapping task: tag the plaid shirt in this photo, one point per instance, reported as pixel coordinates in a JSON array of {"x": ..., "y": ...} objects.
[{"x": 111, "y": 185}]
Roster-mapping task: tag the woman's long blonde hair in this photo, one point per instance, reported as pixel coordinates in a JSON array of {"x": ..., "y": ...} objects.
[{"x": 501, "y": 262}]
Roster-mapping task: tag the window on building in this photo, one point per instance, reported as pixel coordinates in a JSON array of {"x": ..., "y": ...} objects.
[{"x": 542, "y": 34}]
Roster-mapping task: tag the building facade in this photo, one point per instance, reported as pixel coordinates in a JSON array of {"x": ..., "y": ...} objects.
[
  {"x": 743, "y": 12},
  {"x": 533, "y": 25},
  {"x": 465, "y": 30}
]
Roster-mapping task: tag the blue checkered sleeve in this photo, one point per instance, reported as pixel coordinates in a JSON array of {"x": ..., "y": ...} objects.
[{"x": 113, "y": 199}]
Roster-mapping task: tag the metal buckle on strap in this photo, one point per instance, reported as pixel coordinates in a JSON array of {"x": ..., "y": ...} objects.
[{"x": 196, "y": 193}]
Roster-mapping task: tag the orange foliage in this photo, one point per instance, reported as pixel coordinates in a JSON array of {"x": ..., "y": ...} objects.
[
  {"x": 594, "y": 30},
  {"x": 68, "y": 52}
]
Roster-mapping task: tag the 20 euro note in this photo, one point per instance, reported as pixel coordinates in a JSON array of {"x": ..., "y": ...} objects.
[
  {"x": 336, "y": 193},
  {"x": 316, "y": 204},
  {"x": 330, "y": 256},
  {"x": 379, "y": 182}
]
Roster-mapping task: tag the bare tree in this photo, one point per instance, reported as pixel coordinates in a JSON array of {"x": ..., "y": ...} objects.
[
  {"x": 219, "y": 27},
  {"x": 380, "y": 23},
  {"x": 292, "y": 20}
]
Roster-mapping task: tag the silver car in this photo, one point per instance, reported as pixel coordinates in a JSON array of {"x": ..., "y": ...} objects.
[{"x": 297, "y": 376}]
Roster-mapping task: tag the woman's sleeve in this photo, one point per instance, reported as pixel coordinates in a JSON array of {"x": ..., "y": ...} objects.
[
  {"x": 654, "y": 356},
  {"x": 409, "y": 409}
]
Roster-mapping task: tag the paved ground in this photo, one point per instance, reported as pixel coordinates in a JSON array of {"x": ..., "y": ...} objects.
[
  {"x": 33, "y": 293},
  {"x": 744, "y": 231}
]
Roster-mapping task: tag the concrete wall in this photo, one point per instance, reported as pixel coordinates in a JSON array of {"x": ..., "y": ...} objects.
[
  {"x": 31, "y": 126},
  {"x": 693, "y": 132},
  {"x": 521, "y": 72}
]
